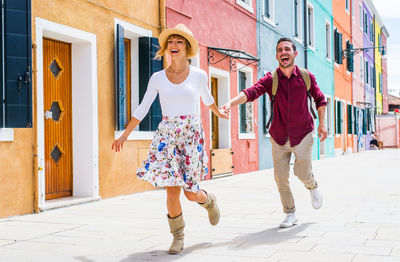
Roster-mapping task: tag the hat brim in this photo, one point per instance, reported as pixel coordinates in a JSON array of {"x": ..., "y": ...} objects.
[{"x": 194, "y": 46}]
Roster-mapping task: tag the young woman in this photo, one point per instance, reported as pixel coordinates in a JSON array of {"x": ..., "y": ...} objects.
[{"x": 177, "y": 157}]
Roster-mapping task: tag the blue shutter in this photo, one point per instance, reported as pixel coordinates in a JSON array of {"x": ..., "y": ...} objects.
[
  {"x": 119, "y": 79},
  {"x": 16, "y": 62},
  {"x": 148, "y": 47}
]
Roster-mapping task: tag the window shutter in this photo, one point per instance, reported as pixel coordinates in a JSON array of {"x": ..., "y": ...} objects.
[
  {"x": 364, "y": 121},
  {"x": 16, "y": 62},
  {"x": 119, "y": 79},
  {"x": 349, "y": 120},
  {"x": 242, "y": 85},
  {"x": 355, "y": 120},
  {"x": 148, "y": 47},
  {"x": 350, "y": 57},
  {"x": 338, "y": 47}
]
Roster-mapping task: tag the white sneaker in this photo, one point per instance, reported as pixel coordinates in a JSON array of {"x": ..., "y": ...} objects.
[
  {"x": 289, "y": 221},
  {"x": 316, "y": 198}
]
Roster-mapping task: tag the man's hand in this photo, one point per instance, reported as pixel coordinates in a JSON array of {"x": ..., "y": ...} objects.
[{"x": 322, "y": 133}]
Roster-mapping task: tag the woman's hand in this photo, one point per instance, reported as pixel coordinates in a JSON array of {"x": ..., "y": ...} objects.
[
  {"x": 218, "y": 112},
  {"x": 118, "y": 144}
]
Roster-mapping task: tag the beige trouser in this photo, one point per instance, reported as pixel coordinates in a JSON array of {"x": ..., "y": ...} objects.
[{"x": 302, "y": 168}]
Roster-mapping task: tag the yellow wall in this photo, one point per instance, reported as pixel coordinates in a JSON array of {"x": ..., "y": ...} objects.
[
  {"x": 16, "y": 174},
  {"x": 378, "y": 68},
  {"x": 116, "y": 170}
]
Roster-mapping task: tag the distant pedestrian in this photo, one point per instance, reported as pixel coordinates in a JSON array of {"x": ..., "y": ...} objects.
[
  {"x": 292, "y": 124},
  {"x": 177, "y": 157}
]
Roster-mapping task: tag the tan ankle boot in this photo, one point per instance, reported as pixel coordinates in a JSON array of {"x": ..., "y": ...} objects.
[
  {"x": 211, "y": 206},
  {"x": 176, "y": 226}
]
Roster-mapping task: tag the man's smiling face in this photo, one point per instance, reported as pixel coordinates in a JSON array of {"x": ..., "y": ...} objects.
[{"x": 285, "y": 54}]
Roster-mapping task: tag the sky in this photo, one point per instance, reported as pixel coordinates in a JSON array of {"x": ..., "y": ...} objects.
[{"x": 389, "y": 11}]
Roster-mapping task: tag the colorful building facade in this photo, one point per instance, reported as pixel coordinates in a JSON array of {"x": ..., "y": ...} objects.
[
  {"x": 233, "y": 144},
  {"x": 342, "y": 77},
  {"x": 320, "y": 63}
]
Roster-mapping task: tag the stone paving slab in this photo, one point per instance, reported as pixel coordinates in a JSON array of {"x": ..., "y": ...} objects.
[{"x": 359, "y": 221}]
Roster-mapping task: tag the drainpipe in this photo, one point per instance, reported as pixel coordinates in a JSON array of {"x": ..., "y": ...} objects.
[
  {"x": 305, "y": 34},
  {"x": 35, "y": 131}
]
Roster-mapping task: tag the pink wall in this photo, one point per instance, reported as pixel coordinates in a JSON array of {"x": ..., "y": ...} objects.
[
  {"x": 388, "y": 130},
  {"x": 357, "y": 39},
  {"x": 236, "y": 26},
  {"x": 236, "y": 30}
]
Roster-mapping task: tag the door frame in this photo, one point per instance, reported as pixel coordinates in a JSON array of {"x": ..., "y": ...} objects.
[
  {"x": 223, "y": 78},
  {"x": 84, "y": 109}
]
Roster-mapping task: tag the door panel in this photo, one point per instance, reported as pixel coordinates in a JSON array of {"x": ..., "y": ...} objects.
[
  {"x": 58, "y": 118},
  {"x": 214, "y": 118}
]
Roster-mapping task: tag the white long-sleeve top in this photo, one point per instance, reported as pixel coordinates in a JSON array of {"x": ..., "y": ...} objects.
[{"x": 176, "y": 99}]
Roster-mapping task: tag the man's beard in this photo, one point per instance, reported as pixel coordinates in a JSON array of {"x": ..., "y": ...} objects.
[{"x": 287, "y": 65}]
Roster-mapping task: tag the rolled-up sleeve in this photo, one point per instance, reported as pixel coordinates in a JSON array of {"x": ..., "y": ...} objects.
[
  {"x": 261, "y": 87},
  {"x": 316, "y": 93}
]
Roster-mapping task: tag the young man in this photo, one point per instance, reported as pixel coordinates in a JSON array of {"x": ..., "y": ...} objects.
[{"x": 292, "y": 125}]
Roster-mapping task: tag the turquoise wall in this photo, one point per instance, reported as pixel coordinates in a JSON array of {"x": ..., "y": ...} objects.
[{"x": 322, "y": 67}]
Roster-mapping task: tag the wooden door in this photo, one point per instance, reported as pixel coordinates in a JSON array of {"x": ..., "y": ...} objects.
[
  {"x": 214, "y": 118},
  {"x": 57, "y": 90}
]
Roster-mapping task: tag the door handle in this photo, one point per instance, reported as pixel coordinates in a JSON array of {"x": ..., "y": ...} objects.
[{"x": 48, "y": 115}]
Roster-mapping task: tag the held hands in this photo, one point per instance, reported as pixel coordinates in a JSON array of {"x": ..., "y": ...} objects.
[
  {"x": 322, "y": 133},
  {"x": 118, "y": 144},
  {"x": 223, "y": 113},
  {"x": 225, "y": 109}
]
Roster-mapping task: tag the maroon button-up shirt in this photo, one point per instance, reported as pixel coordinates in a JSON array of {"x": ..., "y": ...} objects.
[{"x": 292, "y": 119}]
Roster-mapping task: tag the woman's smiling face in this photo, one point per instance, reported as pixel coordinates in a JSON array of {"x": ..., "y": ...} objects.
[{"x": 177, "y": 46}]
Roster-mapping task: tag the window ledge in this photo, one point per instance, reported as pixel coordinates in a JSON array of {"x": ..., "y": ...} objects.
[
  {"x": 269, "y": 21},
  {"x": 298, "y": 40},
  {"x": 312, "y": 48},
  {"x": 6, "y": 134},
  {"x": 136, "y": 135},
  {"x": 245, "y": 6},
  {"x": 247, "y": 136}
]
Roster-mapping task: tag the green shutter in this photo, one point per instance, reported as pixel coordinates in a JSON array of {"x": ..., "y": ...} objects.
[
  {"x": 16, "y": 63},
  {"x": 364, "y": 121},
  {"x": 148, "y": 47},
  {"x": 338, "y": 47},
  {"x": 350, "y": 57},
  {"x": 119, "y": 79}
]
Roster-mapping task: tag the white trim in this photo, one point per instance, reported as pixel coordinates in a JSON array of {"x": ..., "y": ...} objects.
[
  {"x": 311, "y": 34},
  {"x": 345, "y": 8},
  {"x": 300, "y": 21},
  {"x": 249, "y": 81},
  {"x": 6, "y": 134},
  {"x": 328, "y": 23},
  {"x": 298, "y": 40},
  {"x": 271, "y": 19},
  {"x": 246, "y": 136},
  {"x": 224, "y": 83},
  {"x": 84, "y": 107},
  {"x": 248, "y": 6}
]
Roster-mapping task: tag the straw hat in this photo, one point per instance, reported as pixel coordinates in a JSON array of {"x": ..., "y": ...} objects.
[{"x": 182, "y": 30}]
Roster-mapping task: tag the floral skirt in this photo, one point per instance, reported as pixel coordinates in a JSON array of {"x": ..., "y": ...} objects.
[{"x": 177, "y": 156}]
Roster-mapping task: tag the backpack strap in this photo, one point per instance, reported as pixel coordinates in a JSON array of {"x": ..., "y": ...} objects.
[
  {"x": 274, "y": 89},
  {"x": 306, "y": 78}
]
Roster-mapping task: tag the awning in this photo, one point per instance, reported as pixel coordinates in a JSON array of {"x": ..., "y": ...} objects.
[{"x": 233, "y": 55}]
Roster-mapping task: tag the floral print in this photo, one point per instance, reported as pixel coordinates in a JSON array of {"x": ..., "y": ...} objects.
[{"x": 176, "y": 156}]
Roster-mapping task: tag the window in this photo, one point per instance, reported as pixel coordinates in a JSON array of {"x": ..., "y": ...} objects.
[
  {"x": 361, "y": 17},
  {"x": 338, "y": 47},
  {"x": 347, "y": 6},
  {"x": 361, "y": 69},
  {"x": 338, "y": 117},
  {"x": 365, "y": 23},
  {"x": 352, "y": 9},
  {"x": 135, "y": 50},
  {"x": 371, "y": 32},
  {"x": 246, "y": 125},
  {"x": 310, "y": 23},
  {"x": 366, "y": 70},
  {"x": 327, "y": 40},
  {"x": 297, "y": 19},
  {"x": 246, "y": 4},
  {"x": 268, "y": 11},
  {"x": 372, "y": 83},
  {"x": 349, "y": 119},
  {"x": 356, "y": 126}
]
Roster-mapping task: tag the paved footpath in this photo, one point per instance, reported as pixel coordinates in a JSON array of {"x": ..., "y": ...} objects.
[{"x": 359, "y": 221}]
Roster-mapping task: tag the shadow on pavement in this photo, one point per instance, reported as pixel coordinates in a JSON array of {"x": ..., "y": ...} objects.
[{"x": 266, "y": 237}]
